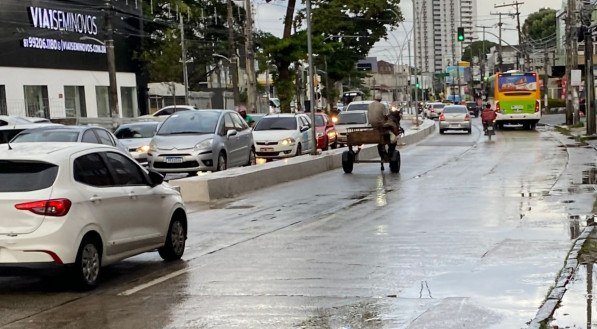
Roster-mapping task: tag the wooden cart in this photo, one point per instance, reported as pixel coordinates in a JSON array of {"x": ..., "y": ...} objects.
[{"x": 367, "y": 135}]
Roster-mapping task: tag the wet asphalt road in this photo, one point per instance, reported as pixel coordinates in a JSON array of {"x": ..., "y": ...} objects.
[{"x": 470, "y": 234}]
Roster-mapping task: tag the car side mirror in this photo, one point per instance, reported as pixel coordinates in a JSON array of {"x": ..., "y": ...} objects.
[
  {"x": 231, "y": 133},
  {"x": 156, "y": 178},
  {"x": 304, "y": 128}
]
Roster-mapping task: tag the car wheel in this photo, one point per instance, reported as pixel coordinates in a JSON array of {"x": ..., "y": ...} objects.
[
  {"x": 334, "y": 145},
  {"x": 441, "y": 131},
  {"x": 221, "y": 162},
  {"x": 173, "y": 248},
  {"x": 252, "y": 158},
  {"x": 192, "y": 173},
  {"x": 469, "y": 131},
  {"x": 299, "y": 150},
  {"x": 87, "y": 266}
]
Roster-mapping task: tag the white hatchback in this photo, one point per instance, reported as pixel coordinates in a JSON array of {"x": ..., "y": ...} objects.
[
  {"x": 86, "y": 206},
  {"x": 283, "y": 135}
]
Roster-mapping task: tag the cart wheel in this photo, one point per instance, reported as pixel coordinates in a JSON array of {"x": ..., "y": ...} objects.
[
  {"x": 395, "y": 162},
  {"x": 347, "y": 161}
]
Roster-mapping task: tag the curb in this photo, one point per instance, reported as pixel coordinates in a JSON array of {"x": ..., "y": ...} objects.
[
  {"x": 233, "y": 182},
  {"x": 557, "y": 292}
]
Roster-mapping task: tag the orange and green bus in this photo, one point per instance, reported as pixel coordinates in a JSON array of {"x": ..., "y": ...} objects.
[{"x": 516, "y": 98}]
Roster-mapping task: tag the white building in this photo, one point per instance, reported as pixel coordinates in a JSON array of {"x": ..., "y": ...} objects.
[{"x": 437, "y": 23}]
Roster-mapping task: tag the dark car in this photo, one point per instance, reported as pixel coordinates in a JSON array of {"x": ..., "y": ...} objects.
[{"x": 473, "y": 108}]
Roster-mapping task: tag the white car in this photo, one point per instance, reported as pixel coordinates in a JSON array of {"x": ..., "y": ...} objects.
[
  {"x": 350, "y": 119},
  {"x": 86, "y": 206},
  {"x": 283, "y": 135},
  {"x": 165, "y": 112},
  {"x": 364, "y": 106},
  {"x": 434, "y": 110}
]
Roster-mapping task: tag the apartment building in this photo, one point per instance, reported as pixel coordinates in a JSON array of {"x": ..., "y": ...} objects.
[{"x": 436, "y": 27}]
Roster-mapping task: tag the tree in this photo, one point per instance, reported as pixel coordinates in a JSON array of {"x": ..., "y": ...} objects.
[
  {"x": 476, "y": 49},
  {"x": 367, "y": 19},
  {"x": 541, "y": 24}
]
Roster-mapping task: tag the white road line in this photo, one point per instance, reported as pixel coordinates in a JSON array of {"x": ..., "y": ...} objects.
[{"x": 156, "y": 281}]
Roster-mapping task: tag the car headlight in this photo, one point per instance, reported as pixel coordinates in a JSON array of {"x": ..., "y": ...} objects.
[
  {"x": 152, "y": 147},
  {"x": 287, "y": 141},
  {"x": 143, "y": 149},
  {"x": 319, "y": 134},
  {"x": 206, "y": 144},
  {"x": 331, "y": 134},
  {"x": 334, "y": 119}
]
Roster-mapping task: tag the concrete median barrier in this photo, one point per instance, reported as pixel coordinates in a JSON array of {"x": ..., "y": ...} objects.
[{"x": 236, "y": 181}]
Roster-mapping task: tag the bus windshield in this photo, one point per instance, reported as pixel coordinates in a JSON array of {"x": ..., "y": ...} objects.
[{"x": 517, "y": 82}]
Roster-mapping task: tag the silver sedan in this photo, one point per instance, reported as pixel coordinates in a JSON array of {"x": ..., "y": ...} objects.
[{"x": 455, "y": 117}]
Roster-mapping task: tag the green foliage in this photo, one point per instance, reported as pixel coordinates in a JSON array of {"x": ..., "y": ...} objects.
[
  {"x": 476, "y": 48},
  {"x": 359, "y": 23},
  {"x": 205, "y": 34},
  {"x": 540, "y": 24}
]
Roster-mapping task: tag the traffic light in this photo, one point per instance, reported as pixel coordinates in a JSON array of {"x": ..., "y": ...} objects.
[
  {"x": 418, "y": 85},
  {"x": 461, "y": 34}
]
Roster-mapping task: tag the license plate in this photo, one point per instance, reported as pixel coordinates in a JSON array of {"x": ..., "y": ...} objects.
[
  {"x": 173, "y": 159},
  {"x": 454, "y": 126},
  {"x": 267, "y": 149}
]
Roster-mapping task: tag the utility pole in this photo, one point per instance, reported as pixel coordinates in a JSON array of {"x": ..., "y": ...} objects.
[
  {"x": 311, "y": 77},
  {"x": 232, "y": 55},
  {"x": 517, "y": 13},
  {"x": 545, "y": 77},
  {"x": 185, "y": 72},
  {"x": 113, "y": 87},
  {"x": 500, "y": 57},
  {"x": 415, "y": 62},
  {"x": 483, "y": 62},
  {"x": 589, "y": 77},
  {"x": 571, "y": 56},
  {"x": 250, "y": 62}
]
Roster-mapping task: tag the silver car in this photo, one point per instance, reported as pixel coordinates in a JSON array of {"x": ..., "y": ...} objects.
[
  {"x": 455, "y": 117},
  {"x": 136, "y": 137},
  {"x": 347, "y": 120},
  {"x": 203, "y": 140}
]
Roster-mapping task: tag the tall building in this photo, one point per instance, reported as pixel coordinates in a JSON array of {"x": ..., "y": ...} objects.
[{"x": 437, "y": 22}]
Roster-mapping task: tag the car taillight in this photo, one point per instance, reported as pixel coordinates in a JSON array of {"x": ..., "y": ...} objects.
[
  {"x": 442, "y": 117},
  {"x": 467, "y": 117},
  {"x": 497, "y": 107},
  {"x": 537, "y": 109},
  {"x": 55, "y": 207}
]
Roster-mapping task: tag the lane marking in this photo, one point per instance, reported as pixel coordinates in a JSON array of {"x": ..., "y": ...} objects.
[{"x": 157, "y": 281}]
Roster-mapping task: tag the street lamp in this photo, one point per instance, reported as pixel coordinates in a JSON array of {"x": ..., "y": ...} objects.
[
  {"x": 113, "y": 88},
  {"x": 232, "y": 63}
]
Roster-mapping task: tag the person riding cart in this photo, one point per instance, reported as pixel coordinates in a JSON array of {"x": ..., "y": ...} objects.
[{"x": 387, "y": 125}]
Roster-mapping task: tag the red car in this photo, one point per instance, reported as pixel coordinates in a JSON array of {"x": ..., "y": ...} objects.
[{"x": 326, "y": 133}]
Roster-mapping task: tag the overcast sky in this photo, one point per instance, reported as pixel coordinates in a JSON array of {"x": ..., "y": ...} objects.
[{"x": 268, "y": 17}]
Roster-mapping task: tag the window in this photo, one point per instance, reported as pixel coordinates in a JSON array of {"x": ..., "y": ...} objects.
[
  {"x": 239, "y": 123},
  {"x": 126, "y": 172},
  {"x": 89, "y": 137},
  {"x": 3, "y": 109},
  {"x": 26, "y": 176},
  {"x": 91, "y": 170},
  {"x": 128, "y": 98},
  {"x": 36, "y": 101},
  {"x": 104, "y": 137},
  {"x": 103, "y": 108},
  {"x": 228, "y": 123},
  {"x": 74, "y": 101}
]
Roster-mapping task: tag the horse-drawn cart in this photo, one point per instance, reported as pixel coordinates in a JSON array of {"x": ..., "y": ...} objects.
[{"x": 356, "y": 137}]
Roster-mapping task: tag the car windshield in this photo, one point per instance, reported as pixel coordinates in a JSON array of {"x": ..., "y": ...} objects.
[
  {"x": 346, "y": 118},
  {"x": 455, "y": 109},
  {"x": 319, "y": 122},
  {"x": 279, "y": 123},
  {"x": 357, "y": 107},
  {"x": 26, "y": 176},
  {"x": 53, "y": 135},
  {"x": 136, "y": 131},
  {"x": 190, "y": 122}
]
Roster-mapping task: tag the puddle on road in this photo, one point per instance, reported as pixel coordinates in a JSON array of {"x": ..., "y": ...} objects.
[
  {"x": 578, "y": 308},
  {"x": 362, "y": 315}
]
